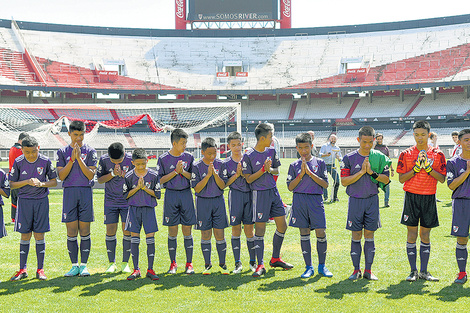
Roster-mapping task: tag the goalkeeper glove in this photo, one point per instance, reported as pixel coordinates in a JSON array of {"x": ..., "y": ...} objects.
[{"x": 427, "y": 166}]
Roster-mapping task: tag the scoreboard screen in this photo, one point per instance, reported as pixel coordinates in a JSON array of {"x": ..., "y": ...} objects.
[{"x": 233, "y": 10}]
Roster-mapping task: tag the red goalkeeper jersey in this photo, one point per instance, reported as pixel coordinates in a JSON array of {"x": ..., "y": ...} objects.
[{"x": 422, "y": 183}]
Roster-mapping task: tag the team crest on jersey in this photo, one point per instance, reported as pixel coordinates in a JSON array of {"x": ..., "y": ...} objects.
[
  {"x": 147, "y": 184},
  {"x": 294, "y": 220},
  {"x": 216, "y": 171},
  {"x": 315, "y": 168},
  {"x": 350, "y": 223},
  {"x": 405, "y": 217},
  {"x": 455, "y": 228},
  {"x": 184, "y": 163},
  {"x": 19, "y": 225},
  {"x": 65, "y": 216},
  {"x": 83, "y": 156},
  {"x": 40, "y": 170},
  {"x": 167, "y": 219},
  {"x": 233, "y": 219},
  {"x": 260, "y": 215},
  {"x": 200, "y": 223},
  {"x": 125, "y": 168}
]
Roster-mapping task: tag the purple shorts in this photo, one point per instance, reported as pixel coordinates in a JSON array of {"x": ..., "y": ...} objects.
[
  {"x": 178, "y": 208},
  {"x": 77, "y": 204},
  {"x": 139, "y": 216},
  {"x": 240, "y": 207},
  {"x": 32, "y": 215},
  {"x": 210, "y": 213},
  {"x": 307, "y": 211},
  {"x": 267, "y": 204},
  {"x": 460, "y": 217},
  {"x": 363, "y": 214},
  {"x": 111, "y": 214},
  {"x": 3, "y": 231}
]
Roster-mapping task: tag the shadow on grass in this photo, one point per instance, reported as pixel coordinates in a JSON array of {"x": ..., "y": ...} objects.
[
  {"x": 344, "y": 287},
  {"x": 452, "y": 293},
  {"x": 59, "y": 284},
  {"x": 289, "y": 283},
  {"x": 404, "y": 288},
  {"x": 449, "y": 204}
]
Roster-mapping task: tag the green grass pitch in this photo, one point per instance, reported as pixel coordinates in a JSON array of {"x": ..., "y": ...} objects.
[{"x": 278, "y": 291}]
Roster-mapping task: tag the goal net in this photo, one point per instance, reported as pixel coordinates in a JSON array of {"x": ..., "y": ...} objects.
[{"x": 135, "y": 125}]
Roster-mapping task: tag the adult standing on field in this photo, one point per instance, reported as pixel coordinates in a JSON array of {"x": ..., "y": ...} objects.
[
  {"x": 15, "y": 151},
  {"x": 379, "y": 138},
  {"x": 329, "y": 152}
]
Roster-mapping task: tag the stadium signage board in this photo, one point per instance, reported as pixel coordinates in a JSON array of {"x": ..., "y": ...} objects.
[
  {"x": 222, "y": 74},
  {"x": 241, "y": 74},
  {"x": 225, "y": 10}
]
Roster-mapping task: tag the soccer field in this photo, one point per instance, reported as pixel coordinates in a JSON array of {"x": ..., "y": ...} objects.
[{"x": 281, "y": 291}]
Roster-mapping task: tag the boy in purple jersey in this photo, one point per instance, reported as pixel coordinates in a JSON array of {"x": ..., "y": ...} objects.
[
  {"x": 174, "y": 170},
  {"x": 112, "y": 168},
  {"x": 361, "y": 173},
  {"x": 258, "y": 166},
  {"x": 5, "y": 192},
  {"x": 458, "y": 172},
  {"x": 306, "y": 179},
  {"x": 32, "y": 173},
  {"x": 76, "y": 166},
  {"x": 141, "y": 189},
  {"x": 210, "y": 204},
  {"x": 240, "y": 201}
]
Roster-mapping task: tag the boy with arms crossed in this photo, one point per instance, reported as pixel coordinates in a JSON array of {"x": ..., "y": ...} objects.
[
  {"x": 458, "y": 171},
  {"x": 141, "y": 189},
  {"x": 258, "y": 166},
  {"x": 360, "y": 174},
  {"x": 306, "y": 179},
  {"x": 420, "y": 168},
  {"x": 210, "y": 204},
  {"x": 174, "y": 170},
  {"x": 239, "y": 201},
  {"x": 112, "y": 168},
  {"x": 32, "y": 174},
  {"x": 76, "y": 166}
]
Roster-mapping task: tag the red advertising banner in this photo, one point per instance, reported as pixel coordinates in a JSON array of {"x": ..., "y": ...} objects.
[
  {"x": 357, "y": 75},
  {"x": 286, "y": 10},
  {"x": 242, "y": 74},
  {"x": 180, "y": 14},
  {"x": 222, "y": 74},
  {"x": 107, "y": 76}
]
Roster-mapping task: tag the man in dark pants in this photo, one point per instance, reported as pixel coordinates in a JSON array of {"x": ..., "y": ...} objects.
[
  {"x": 329, "y": 152},
  {"x": 15, "y": 152}
]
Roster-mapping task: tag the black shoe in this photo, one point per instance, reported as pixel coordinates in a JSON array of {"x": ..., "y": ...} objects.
[
  {"x": 461, "y": 278},
  {"x": 427, "y": 276},
  {"x": 369, "y": 275},
  {"x": 260, "y": 270},
  {"x": 278, "y": 262},
  {"x": 413, "y": 276},
  {"x": 355, "y": 275}
]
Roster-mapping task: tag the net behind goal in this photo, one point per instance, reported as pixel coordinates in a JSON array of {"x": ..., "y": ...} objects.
[{"x": 135, "y": 125}]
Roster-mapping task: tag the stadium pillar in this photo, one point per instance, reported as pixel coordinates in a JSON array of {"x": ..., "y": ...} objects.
[
  {"x": 278, "y": 99},
  {"x": 402, "y": 95},
  {"x": 369, "y": 96},
  {"x": 433, "y": 92},
  {"x": 286, "y": 15},
  {"x": 62, "y": 97},
  {"x": 94, "y": 96},
  {"x": 30, "y": 96},
  {"x": 466, "y": 92},
  {"x": 339, "y": 98},
  {"x": 309, "y": 98},
  {"x": 180, "y": 14}
]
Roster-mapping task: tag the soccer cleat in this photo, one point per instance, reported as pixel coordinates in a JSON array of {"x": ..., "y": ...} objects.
[
  {"x": 238, "y": 268},
  {"x": 278, "y": 262},
  {"x": 224, "y": 269},
  {"x": 427, "y": 276},
  {"x": 386, "y": 205},
  {"x": 253, "y": 266},
  {"x": 74, "y": 271},
  {"x": 189, "y": 269},
  {"x": 111, "y": 268},
  {"x": 173, "y": 268},
  {"x": 207, "y": 269},
  {"x": 413, "y": 276},
  {"x": 461, "y": 278},
  {"x": 260, "y": 270},
  {"x": 369, "y": 275},
  {"x": 151, "y": 274},
  {"x": 309, "y": 271},
  {"x": 125, "y": 268},
  {"x": 40, "y": 274},
  {"x": 83, "y": 270},
  {"x": 134, "y": 275},
  {"x": 19, "y": 275},
  {"x": 322, "y": 270},
  {"x": 355, "y": 275}
]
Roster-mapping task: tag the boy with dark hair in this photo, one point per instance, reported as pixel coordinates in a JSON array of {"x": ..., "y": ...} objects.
[
  {"x": 5, "y": 192},
  {"x": 210, "y": 204},
  {"x": 76, "y": 166},
  {"x": 112, "y": 169},
  {"x": 458, "y": 172},
  {"x": 141, "y": 189},
  {"x": 258, "y": 166},
  {"x": 15, "y": 151},
  {"x": 306, "y": 178},
  {"x": 239, "y": 201},
  {"x": 174, "y": 170},
  {"x": 420, "y": 167},
  {"x": 457, "y": 149},
  {"x": 362, "y": 172},
  {"x": 32, "y": 173}
]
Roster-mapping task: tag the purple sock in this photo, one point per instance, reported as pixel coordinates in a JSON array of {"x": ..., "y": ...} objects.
[
  {"x": 72, "y": 247},
  {"x": 369, "y": 252},
  {"x": 277, "y": 243},
  {"x": 322, "y": 245},
  {"x": 206, "y": 248},
  {"x": 221, "y": 246},
  {"x": 85, "y": 246},
  {"x": 111, "y": 243},
  {"x": 126, "y": 248},
  {"x": 236, "y": 243},
  {"x": 461, "y": 254},
  {"x": 411, "y": 252},
  {"x": 40, "y": 252},
  {"x": 172, "y": 245},
  {"x": 306, "y": 249},
  {"x": 188, "y": 247},
  {"x": 356, "y": 250},
  {"x": 250, "y": 243},
  {"x": 259, "y": 249},
  {"x": 150, "y": 251},
  {"x": 24, "y": 251},
  {"x": 135, "y": 241},
  {"x": 424, "y": 253}
]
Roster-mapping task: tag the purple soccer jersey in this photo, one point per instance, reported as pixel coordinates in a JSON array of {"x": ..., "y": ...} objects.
[
  {"x": 113, "y": 196},
  {"x": 253, "y": 161},
  {"x": 307, "y": 184},
  {"x": 364, "y": 187},
  {"x": 41, "y": 169},
  {"x": 200, "y": 169},
  {"x": 455, "y": 167},
  {"x": 141, "y": 198},
  {"x": 76, "y": 178},
  {"x": 167, "y": 164},
  {"x": 5, "y": 186},
  {"x": 229, "y": 168}
]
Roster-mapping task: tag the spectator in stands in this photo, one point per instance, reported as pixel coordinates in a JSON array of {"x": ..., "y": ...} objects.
[
  {"x": 329, "y": 152},
  {"x": 457, "y": 148},
  {"x": 314, "y": 151},
  {"x": 15, "y": 152},
  {"x": 384, "y": 149},
  {"x": 433, "y": 137}
]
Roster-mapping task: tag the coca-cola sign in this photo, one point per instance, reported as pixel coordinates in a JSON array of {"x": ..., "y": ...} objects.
[
  {"x": 286, "y": 11},
  {"x": 180, "y": 8}
]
